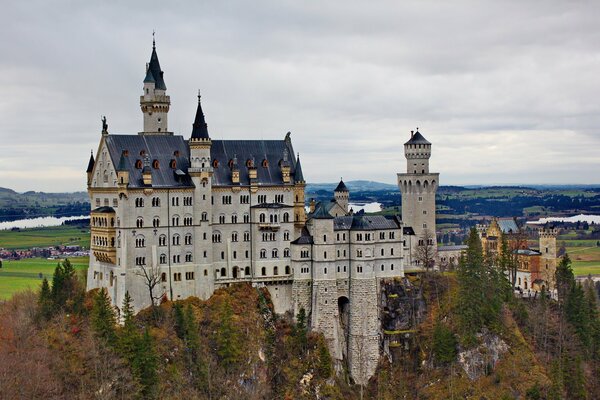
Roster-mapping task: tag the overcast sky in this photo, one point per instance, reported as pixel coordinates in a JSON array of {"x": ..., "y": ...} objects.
[{"x": 507, "y": 92}]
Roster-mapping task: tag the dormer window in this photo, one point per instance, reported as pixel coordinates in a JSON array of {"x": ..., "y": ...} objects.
[
  {"x": 249, "y": 163},
  {"x": 176, "y": 153},
  {"x": 143, "y": 153},
  {"x": 155, "y": 164},
  {"x": 215, "y": 163},
  {"x": 138, "y": 164},
  {"x": 173, "y": 164},
  {"x": 265, "y": 163}
]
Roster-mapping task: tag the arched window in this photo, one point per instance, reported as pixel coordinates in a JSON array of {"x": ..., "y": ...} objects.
[
  {"x": 155, "y": 164},
  {"x": 204, "y": 216},
  {"x": 223, "y": 272},
  {"x": 287, "y": 270},
  {"x": 265, "y": 163},
  {"x": 138, "y": 164},
  {"x": 263, "y": 271},
  {"x": 262, "y": 218},
  {"x": 163, "y": 260},
  {"x": 173, "y": 164},
  {"x": 247, "y": 271},
  {"x": 286, "y": 217},
  {"x": 275, "y": 270}
]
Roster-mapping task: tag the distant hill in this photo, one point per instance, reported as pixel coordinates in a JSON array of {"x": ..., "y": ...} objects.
[{"x": 14, "y": 205}]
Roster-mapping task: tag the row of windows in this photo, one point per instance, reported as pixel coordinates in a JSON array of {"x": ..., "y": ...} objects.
[
  {"x": 274, "y": 253},
  {"x": 100, "y": 221},
  {"x": 102, "y": 241},
  {"x": 106, "y": 202}
]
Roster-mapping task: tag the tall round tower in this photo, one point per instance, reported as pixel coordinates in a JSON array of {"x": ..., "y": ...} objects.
[{"x": 418, "y": 188}]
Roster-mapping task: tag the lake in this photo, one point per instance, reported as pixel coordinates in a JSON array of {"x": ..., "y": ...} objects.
[
  {"x": 38, "y": 222},
  {"x": 368, "y": 207},
  {"x": 581, "y": 217}
]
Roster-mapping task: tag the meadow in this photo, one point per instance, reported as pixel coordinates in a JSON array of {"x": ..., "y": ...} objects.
[
  {"x": 45, "y": 237},
  {"x": 28, "y": 273}
]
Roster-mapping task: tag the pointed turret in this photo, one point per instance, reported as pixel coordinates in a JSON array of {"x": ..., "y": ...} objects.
[
  {"x": 122, "y": 162},
  {"x": 341, "y": 187},
  {"x": 154, "y": 72},
  {"x": 298, "y": 173},
  {"x": 123, "y": 170},
  {"x": 90, "y": 169},
  {"x": 91, "y": 163},
  {"x": 154, "y": 102},
  {"x": 200, "y": 128}
]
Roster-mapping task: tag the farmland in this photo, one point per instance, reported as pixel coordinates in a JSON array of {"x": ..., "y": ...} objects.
[
  {"x": 28, "y": 273},
  {"x": 45, "y": 237}
]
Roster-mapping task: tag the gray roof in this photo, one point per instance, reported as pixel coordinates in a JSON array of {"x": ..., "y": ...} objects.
[
  {"x": 258, "y": 150},
  {"x": 453, "y": 247},
  {"x": 320, "y": 213},
  {"x": 508, "y": 225},
  {"x": 305, "y": 237},
  {"x": 200, "y": 128},
  {"x": 90, "y": 167},
  {"x": 365, "y": 222},
  {"x": 298, "y": 176},
  {"x": 417, "y": 138},
  {"x": 154, "y": 71},
  {"x": 341, "y": 187},
  {"x": 527, "y": 252},
  {"x": 158, "y": 147},
  {"x": 164, "y": 147}
]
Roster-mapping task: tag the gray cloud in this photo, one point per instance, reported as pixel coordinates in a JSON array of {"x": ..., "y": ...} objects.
[{"x": 506, "y": 90}]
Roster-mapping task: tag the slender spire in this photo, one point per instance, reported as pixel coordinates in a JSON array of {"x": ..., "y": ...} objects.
[
  {"x": 153, "y": 71},
  {"x": 91, "y": 163},
  {"x": 298, "y": 173},
  {"x": 199, "y": 127}
]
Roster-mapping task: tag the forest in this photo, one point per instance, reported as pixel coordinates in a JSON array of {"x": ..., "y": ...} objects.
[{"x": 474, "y": 339}]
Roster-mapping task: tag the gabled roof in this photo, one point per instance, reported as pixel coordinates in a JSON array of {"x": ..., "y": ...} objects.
[
  {"x": 162, "y": 148},
  {"x": 417, "y": 138},
  {"x": 341, "y": 187},
  {"x": 321, "y": 212},
  {"x": 154, "y": 72},
  {"x": 365, "y": 222},
  {"x": 266, "y": 154},
  {"x": 91, "y": 163},
  {"x": 508, "y": 225},
  {"x": 199, "y": 128}
]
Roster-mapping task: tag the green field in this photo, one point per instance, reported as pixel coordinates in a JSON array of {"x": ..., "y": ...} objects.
[
  {"x": 25, "y": 274},
  {"x": 586, "y": 260},
  {"x": 45, "y": 237}
]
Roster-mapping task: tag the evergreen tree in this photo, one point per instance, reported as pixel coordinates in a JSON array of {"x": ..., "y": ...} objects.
[
  {"x": 444, "y": 344},
  {"x": 179, "y": 320},
  {"x": 481, "y": 291},
  {"x": 300, "y": 330},
  {"x": 145, "y": 365},
  {"x": 66, "y": 293},
  {"x": 564, "y": 278},
  {"x": 46, "y": 307},
  {"x": 227, "y": 340},
  {"x": 103, "y": 317},
  {"x": 128, "y": 334},
  {"x": 325, "y": 367}
]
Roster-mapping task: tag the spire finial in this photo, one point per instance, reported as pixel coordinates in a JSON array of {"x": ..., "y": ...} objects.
[
  {"x": 153, "y": 40},
  {"x": 199, "y": 96}
]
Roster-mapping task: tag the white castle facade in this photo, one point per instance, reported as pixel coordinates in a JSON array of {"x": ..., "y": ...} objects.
[{"x": 175, "y": 217}]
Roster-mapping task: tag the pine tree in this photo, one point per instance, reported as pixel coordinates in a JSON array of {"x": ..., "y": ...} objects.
[
  {"x": 564, "y": 278},
  {"x": 128, "y": 335},
  {"x": 103, "y": 318},
  {"x": 444, "y": 344},
  {"x": 227, "y": 340},
  {"x": 179, "y": 320},
  {"x": 46, "y": 307},
  {"x": 145, "y": 365},
  {"x": 300, "y": 330},
  {"x": 325, "y": 363}
]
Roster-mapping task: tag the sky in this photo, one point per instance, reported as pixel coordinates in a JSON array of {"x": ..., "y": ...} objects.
[{"x": 507, "y": 91}]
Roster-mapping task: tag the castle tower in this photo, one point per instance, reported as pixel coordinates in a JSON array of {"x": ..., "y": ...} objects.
[
  {"x": 299, "y": 186},
  {"x": 154, "y": 102},
  {"x": 418, "y": 187},
  {"x": 341, "y": 195},
  {"x": 201, "y": 172},
  {"x": 548, "y": 249}
]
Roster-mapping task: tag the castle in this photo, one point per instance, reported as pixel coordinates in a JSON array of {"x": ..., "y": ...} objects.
[{"x": 174, "y": 217}]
